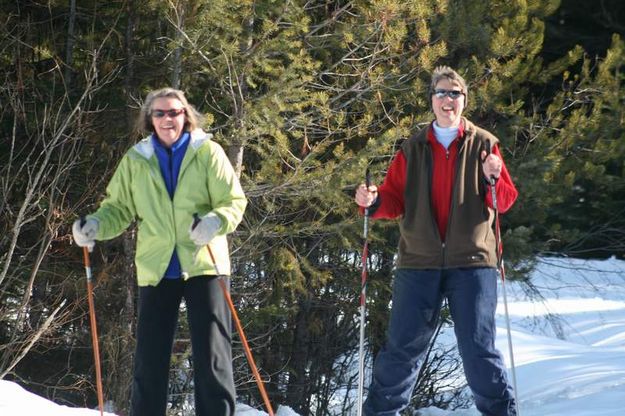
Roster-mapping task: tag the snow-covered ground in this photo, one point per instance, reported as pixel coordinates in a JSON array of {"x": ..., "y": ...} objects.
[{"x": 569, "y": 347}]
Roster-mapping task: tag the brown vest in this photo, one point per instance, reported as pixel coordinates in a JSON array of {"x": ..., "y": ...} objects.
[{"x": 470, "y": 240}]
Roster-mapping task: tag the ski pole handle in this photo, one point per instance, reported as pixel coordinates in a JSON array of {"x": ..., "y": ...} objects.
[
  {"x": 196, "y": 220},
  {"x": 491, "y": 179}
]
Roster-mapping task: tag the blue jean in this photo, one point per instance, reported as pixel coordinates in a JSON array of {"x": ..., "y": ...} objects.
[{"x": 417, "y": 300}]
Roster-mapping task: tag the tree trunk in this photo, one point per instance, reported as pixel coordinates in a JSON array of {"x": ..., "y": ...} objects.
[
  {"x": 69, "y": 46},
  {"x": 296, "y": 388},
  {"x": 177, "y": 56}
]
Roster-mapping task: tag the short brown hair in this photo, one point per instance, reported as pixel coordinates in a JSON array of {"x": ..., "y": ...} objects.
[
  {"x": 443, "y": 71},
  {"x": 193, "y": 118}
]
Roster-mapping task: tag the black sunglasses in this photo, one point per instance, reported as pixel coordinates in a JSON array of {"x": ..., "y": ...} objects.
[
  {"x": 171, "y": 113},
  {"x": 453, "y": 94}
]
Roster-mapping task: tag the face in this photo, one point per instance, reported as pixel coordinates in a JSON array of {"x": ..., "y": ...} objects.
[
  {"x": 168, "y": 124},
  {"x": 448, "y": 111}
]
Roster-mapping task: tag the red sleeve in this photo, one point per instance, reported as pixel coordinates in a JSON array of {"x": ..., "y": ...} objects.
[
  {"x": 504, "y": 187},
  {"x": 391, "y": 192}
]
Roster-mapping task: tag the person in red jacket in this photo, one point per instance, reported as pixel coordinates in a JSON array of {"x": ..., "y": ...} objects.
[{"x": 438, "y": 185}]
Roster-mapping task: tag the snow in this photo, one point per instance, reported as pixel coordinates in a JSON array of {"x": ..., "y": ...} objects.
[
  {"x": 569, "y": 347},
  {"x": 244, "y": 410},
  {"x": 15, "y": 401}
]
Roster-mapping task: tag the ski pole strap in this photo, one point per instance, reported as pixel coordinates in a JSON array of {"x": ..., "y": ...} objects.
[
  {"x": 488, "y": 147},
  {"x": 196, "y": 220}
]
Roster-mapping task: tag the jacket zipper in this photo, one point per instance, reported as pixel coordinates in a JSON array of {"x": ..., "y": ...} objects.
[
  {"x": 171, "y": 200},
  {"x": 170, "y": 154}
]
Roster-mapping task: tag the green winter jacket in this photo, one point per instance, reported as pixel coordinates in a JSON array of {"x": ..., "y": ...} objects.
[{"x": 206, "y": 183}]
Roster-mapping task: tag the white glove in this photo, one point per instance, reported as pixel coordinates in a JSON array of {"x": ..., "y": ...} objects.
[
  {"x": 85, "y": 236},
  {"x": 205, "y": 230}
]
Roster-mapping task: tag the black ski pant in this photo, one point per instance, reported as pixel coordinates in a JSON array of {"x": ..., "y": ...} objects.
[{"x": 210, "y": 326}]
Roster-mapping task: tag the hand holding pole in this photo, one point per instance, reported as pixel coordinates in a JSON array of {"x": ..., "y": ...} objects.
[
  {"x": 500, "y": 266},
  {"x": 363, "y": 294},
  {"x": 94, "y": 326}
]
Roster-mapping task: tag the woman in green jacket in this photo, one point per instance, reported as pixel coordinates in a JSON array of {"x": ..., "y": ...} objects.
[{"x": 160, "y": 183}]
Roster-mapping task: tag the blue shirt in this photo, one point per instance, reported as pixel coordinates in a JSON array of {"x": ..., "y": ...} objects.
[{"x": 170, "y": 160}]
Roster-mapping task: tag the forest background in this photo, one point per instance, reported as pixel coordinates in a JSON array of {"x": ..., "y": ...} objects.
[{"x": 304, "y": 96}]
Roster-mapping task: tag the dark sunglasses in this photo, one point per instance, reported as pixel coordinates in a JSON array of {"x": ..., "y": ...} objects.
[
  {"x": 171, "y": 113},
  {"x": 453, "y": 94}
]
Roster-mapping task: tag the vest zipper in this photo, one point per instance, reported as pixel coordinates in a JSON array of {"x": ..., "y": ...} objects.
[
  {"x": 434, "y": 224},
  {"x": 454, "y": 196}
]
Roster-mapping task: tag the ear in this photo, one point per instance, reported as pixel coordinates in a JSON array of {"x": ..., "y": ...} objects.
[{"x": 430, "y": 95}]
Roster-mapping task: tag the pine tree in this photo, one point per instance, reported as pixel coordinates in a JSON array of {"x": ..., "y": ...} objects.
[{"x": 586, "y": 157}]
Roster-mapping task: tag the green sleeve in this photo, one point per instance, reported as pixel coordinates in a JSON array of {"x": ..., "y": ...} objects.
[
  {"x": 117, "y": 210},
  {"x": 227, "y": 197}
]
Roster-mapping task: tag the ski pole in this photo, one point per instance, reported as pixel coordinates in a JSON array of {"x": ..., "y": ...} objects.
[
  {"x": 94, "y": 326},
  {"x": 363, "y": 294},
  {"x": 237, "y": 322},
  {"x": 502, "y": 273}
]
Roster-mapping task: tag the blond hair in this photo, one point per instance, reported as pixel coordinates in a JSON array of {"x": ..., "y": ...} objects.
[{"x": 193, "y": 118}]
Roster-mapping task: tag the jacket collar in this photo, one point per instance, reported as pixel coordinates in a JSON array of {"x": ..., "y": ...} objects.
[{"x": 146, "y": 148}]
